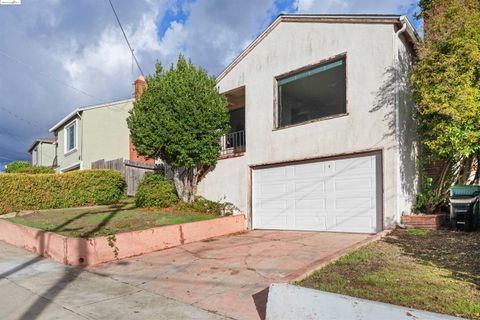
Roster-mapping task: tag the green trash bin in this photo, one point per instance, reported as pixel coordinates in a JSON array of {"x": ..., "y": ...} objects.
[{"x": 464, "y": 207}]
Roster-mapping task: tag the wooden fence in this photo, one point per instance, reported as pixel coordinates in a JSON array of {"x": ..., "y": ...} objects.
[{"x": 131, "y": 170}]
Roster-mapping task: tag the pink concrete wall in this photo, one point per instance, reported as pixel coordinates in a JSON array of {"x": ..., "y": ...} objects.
[{"x": 89, "y": 252}]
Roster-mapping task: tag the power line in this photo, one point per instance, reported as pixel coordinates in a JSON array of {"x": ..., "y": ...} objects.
[
  {"x": 49, "y": 75},
  {"x": 125, "y": 36},
  {"x": 19, "y": 117}
]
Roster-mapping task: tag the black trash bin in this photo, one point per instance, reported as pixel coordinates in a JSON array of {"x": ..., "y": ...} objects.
[{"x": 464, "y": 207}]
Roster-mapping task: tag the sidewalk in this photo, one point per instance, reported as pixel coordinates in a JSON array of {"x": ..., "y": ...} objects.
[{"x": 36, "y": 288}]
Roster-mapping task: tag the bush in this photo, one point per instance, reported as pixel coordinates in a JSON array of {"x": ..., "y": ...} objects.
[
  {"x": 202, "y": 205},
  {"x": 14, "y": 166},
  {"x": 35, "y": 170},
  {"x": 155, "y": 192},
  {"x": 50, "y": 191}
]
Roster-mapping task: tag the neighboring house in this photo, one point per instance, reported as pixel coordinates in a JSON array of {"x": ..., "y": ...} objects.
[
  {"x": 322, "y": 135},
  {"x": 93, "y": 133},
  {"x": 43, "y": 152}
]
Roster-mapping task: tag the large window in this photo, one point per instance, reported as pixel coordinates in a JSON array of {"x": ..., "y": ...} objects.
[
  {"x": 71, "y": 137},
  {"x": 312, "y": 94}
]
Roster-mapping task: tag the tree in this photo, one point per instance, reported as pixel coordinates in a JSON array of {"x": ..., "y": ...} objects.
[
  {"x": 446, "y": 88},
  {"x": 15, "y": 166},
  {"x": 180, "y": 119}
]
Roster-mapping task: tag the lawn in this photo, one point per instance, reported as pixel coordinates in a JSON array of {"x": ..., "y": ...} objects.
[
  {"x": 437, "y": 271},
  {"x": 105, "y": 220}
]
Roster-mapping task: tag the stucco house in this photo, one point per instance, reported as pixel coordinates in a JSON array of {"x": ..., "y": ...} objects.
[
  {"x": 43, "y": 152},
  {"x": 322, "y": 137},
  {"x": 91, "y": 133}
]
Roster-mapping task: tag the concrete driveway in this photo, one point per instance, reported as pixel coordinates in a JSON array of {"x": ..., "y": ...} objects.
[
  {"x": 228, "y": 275},
  {"x": 215, "y": 279}
]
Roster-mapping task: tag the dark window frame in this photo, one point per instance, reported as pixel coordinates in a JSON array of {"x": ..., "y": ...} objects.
[{"x": 276, "y": 102}]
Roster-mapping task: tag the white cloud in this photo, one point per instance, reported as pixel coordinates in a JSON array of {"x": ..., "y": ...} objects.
[{"x": 354, "y": 6}]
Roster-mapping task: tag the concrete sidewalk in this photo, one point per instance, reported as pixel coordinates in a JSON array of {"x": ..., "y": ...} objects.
[{"x": 33, "y": 287}]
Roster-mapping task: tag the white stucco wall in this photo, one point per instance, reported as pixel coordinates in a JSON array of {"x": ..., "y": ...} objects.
[
  {"x": 369, "y": 125},
  {"x": 227, "y": 182}
]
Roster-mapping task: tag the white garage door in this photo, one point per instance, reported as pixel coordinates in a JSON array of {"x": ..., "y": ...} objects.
[{"x": 335, "y": 195}]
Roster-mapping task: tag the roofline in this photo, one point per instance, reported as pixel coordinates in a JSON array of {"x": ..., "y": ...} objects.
[
  {"x": 37, "y": 141},
  {"x": 90, "y": 107},
  {"x": 324, "y": 18}
]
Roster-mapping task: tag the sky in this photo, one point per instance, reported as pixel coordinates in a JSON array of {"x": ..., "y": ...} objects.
[{"x": 57, "y": 55}]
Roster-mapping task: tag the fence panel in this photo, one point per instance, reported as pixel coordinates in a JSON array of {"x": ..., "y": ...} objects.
[{"x": 131, "y": 170}]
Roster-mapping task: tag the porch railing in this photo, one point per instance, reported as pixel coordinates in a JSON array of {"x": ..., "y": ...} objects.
[{"x": 232, "y": 143}]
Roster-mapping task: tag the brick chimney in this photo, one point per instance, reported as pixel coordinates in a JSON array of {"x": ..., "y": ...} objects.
[{"x": 140, "y": 86}]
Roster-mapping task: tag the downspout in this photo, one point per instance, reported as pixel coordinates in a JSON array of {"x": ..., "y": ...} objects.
[
  {"x": 81, "y": 142},
  {"x": 403, "y": 20}
]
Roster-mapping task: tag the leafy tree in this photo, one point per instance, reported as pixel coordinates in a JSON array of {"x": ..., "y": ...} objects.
[
  {"x": 180, "y": 119},
  {"x": 15, "y": 166},
  {"x": 446, "y": 87}
]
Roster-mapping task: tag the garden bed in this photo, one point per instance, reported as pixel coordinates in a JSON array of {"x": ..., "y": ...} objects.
[
  {"x": 89, "y": 236},
  {"x": 430, "y": 270}
]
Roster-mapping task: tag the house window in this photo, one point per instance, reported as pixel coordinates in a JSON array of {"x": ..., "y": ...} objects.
[
  {"x": 71, "y": 136},
  {"x": 312, "y": 94}
]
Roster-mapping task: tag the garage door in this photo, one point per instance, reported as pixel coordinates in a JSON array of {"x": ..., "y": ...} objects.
[{"x": 335, "y": 195}]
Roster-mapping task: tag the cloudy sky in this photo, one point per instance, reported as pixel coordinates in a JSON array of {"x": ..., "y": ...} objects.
[{"x": 56, "y": 55}]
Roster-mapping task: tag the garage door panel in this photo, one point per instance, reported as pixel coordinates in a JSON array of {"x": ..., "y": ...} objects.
[
  {"x": 336, "y": 195},
  {"x": 310, "y": 205}
]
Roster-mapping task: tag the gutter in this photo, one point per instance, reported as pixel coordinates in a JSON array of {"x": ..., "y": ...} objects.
[{"x": 404, "y": 22}]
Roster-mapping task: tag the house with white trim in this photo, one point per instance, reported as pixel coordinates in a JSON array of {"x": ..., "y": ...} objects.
[
  {"x": 322, "y": 135},
  {"x": 92, "y": 133},
  {"x": 42, "y": 151}
]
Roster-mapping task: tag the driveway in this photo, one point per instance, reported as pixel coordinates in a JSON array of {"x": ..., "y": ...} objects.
[
  {"x": 228, "y": 275},
  {"x": 215, "y": 279}
]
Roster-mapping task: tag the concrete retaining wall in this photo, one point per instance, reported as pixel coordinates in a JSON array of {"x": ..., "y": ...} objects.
[
  {"x": 92, "y": 251},
  {"x": 286, "y": 301}
]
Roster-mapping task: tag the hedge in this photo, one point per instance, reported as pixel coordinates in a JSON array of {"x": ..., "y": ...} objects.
[
  {"x": 35, "y": 170},
  {"x": 20, "y": 191},
  {"x": 154, "y": 191}
]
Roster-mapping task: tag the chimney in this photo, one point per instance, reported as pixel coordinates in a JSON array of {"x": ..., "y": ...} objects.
[{"x": 140, "y": 86}]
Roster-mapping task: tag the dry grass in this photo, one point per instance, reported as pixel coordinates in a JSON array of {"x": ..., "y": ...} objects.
[{"x": 437, "y": 271}]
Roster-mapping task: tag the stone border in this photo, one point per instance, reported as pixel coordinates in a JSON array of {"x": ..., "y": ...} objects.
[{"x": 82, "y": 252}]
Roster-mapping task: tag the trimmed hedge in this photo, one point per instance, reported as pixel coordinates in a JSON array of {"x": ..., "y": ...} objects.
[
  {"x": 35, "y": 170},
  {"x": 154, "y": 191},
  {"x": 49, "y": 191}
]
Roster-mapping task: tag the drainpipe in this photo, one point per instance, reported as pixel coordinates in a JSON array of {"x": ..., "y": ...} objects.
[
  {"x": 81, "y": 142},
  {"x": 403, "y": 21}
]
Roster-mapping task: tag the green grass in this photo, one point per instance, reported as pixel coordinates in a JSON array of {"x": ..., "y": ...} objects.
[
  {"x": 418, "y": 232},
  {"x": 436, "y": 271},
  {"x": 104, "y": 220}
]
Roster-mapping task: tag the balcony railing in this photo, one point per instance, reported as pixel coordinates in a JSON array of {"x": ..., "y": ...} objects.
[{"x": 232, "y": 143}]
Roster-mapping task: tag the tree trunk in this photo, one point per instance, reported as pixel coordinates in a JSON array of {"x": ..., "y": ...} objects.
[{"x": 186, "y": 181}]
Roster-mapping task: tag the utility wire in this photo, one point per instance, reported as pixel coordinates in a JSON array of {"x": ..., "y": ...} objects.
[
  {"x": 19, "y": 117},
  {"x": 49, "y": 75},
  {"x": 126, "y": 39}
]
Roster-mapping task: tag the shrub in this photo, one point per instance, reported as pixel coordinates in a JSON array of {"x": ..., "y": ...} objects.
[
  {"x": 203, "y": 205},
  {"x": 14, "y": 166},
  {"x": 35, "y": 170},
  {"x": 155, "y": 192},
  {"x": 49, "y": 191}
]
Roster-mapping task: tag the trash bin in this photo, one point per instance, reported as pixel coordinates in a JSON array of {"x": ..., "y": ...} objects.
[{"x": 464, "y": 207}]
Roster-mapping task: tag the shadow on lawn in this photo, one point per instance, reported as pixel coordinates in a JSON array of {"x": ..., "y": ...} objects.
[
  {"x": 452, "y": 250},
  {"x": 70, "y": 275}
]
